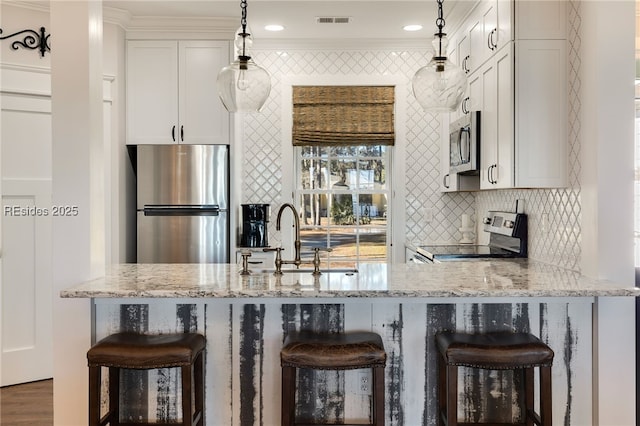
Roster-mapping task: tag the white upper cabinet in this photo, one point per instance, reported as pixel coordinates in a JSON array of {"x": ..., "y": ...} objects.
[
  {"x": 172, "y": 95},
  {"x": 541, "y": 155},
  {"x": 496, "y": 140},
  {"x": 518, "y": 81},
  {"x": 488, "y": 29},
  {"x": 540, "y": 20}
]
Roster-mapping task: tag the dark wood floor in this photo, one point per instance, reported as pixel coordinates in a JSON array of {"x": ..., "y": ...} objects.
[{"x": 27, "y": 404}]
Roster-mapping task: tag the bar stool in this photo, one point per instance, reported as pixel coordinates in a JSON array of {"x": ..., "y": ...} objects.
[
  {"x": 323, "y": 351},
  {"x": 144, "y": 352},
  {"x": 494, "y": 351}
]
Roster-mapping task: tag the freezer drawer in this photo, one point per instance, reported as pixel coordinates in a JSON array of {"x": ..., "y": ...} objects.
[
  {"x": 183, "y": 239},
  {"x": 183, "y": 174}
]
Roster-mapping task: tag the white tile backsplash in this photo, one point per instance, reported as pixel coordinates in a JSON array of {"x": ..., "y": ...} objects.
[{"x": 555, "y": 240}]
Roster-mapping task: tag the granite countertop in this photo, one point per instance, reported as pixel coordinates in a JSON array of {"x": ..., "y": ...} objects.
[{"x": 487, "y": 278}]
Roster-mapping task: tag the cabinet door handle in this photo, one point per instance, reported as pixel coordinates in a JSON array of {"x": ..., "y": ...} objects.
[
  {"x": 492, "y": 180},
  {"x": 465, "y": 64},
  {"x": 465, "y": 108},
  {"x": 444, "y": 180},
  {"x": 492, "y": 44},
  {"x": 181, "y": 133},
  {"x": 173, "y": 133}
]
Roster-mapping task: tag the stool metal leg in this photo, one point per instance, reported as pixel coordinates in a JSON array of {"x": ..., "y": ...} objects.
[
  {"x": 288, "y": 407},
  {"x": 545, "y": 396},
  {"x": 378, "y": 396}
]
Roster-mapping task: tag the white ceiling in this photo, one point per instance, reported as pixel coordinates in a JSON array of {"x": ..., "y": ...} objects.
[{"x": 370, "y": 19}]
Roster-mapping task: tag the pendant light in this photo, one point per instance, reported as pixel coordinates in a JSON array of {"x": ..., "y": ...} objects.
[
  {"x": 440, "y": 85},
  {"x": 243, "y": 86}
]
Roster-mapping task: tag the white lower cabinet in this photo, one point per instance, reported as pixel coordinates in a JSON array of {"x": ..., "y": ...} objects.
[{"x": 258, "y": 260}]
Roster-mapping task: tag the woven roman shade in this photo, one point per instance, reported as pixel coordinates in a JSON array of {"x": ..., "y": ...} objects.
[{"x": 343, "y": 115}]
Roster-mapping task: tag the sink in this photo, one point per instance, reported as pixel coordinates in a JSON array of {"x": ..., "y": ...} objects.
[{"x": 347, "y": 271}]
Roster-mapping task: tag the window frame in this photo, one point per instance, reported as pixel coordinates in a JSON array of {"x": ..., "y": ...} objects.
[{"x": 332, "y": 192}]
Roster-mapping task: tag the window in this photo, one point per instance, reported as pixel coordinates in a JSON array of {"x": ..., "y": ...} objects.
[
  {"x": 344, "y": 194},
  {"x": 342, "y": 138}
]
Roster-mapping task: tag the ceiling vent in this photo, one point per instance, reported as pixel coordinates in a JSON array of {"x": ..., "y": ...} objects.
[{"x": 333, "y": 20}]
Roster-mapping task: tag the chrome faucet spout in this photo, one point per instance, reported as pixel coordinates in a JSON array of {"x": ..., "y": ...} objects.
[{"x": 296, "y": 261}]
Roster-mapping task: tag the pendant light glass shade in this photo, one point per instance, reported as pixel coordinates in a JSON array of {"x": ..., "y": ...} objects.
[
  {"x": 440, "y": 85},
  {"x": 243, "y": 86}
]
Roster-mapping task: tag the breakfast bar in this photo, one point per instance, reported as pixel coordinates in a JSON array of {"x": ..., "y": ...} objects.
[{"x": 246, "y": 317}]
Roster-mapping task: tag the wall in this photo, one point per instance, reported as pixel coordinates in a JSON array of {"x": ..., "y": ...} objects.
[
  {"x": 262, "y": 180},
  {"x": 554, "y": 214}
]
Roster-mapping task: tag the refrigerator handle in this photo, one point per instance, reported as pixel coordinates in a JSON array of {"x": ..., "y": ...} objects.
[{"x": 176, "y": 210}]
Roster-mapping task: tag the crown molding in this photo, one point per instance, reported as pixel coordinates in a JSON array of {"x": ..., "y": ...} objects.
[
  {"x": 120, "y": 17},
  {"x": 40, "y": 6},
  {"x": 418, "y": 45},
  {"x": 161, "y": 27}
]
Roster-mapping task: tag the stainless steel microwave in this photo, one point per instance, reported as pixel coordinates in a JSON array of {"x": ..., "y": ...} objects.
[{"x": 464, "y": 144}]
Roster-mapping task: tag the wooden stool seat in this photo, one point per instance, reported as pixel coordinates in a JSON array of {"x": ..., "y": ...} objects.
[
  {"x": 494, "y": 351},
  {"x": 323, "y": 351},
  {"x": 144, "y": 352}
]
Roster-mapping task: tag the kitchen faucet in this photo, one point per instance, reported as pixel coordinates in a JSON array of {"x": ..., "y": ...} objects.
[{"x": 296, "y": 261}]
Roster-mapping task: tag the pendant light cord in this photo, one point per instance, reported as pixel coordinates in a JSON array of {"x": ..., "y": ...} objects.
[
  {"x": 243, "y": 23},
  {"x": 440, "y": 24}
]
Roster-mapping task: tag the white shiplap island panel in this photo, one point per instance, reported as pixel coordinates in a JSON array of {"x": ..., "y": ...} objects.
[{"x": 245, "y": 320}]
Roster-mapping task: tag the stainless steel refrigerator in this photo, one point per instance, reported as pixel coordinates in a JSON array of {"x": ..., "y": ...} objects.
[{"x": 183, "y": 202}]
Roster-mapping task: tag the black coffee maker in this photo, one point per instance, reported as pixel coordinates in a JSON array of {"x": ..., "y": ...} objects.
[{"x": 255, "y": 219}]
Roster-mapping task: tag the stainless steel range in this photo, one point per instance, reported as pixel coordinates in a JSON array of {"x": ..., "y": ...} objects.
[{"x": 507, "y": 239}]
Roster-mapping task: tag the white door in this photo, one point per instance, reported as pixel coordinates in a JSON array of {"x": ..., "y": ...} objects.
[{"x": 25, "y": 265}]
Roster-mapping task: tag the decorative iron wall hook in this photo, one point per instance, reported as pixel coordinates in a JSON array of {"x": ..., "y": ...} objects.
[{"x": 32, "y": 40}]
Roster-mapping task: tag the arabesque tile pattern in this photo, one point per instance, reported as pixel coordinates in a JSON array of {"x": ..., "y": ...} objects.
[{"x": 554, "y": 214}]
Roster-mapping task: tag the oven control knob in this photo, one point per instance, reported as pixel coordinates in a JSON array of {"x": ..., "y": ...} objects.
[
  {"x": 486, "y": 220},
  {"x": 508, "y": 224}
]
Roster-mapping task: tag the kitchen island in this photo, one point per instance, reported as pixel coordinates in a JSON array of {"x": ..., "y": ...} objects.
[{"x": 245, "y": 319}]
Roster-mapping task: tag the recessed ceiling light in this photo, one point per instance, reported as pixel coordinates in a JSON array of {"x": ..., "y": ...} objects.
[
  {"x": 274, "y": 27},
  {"x": 412, "y": 27}
]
